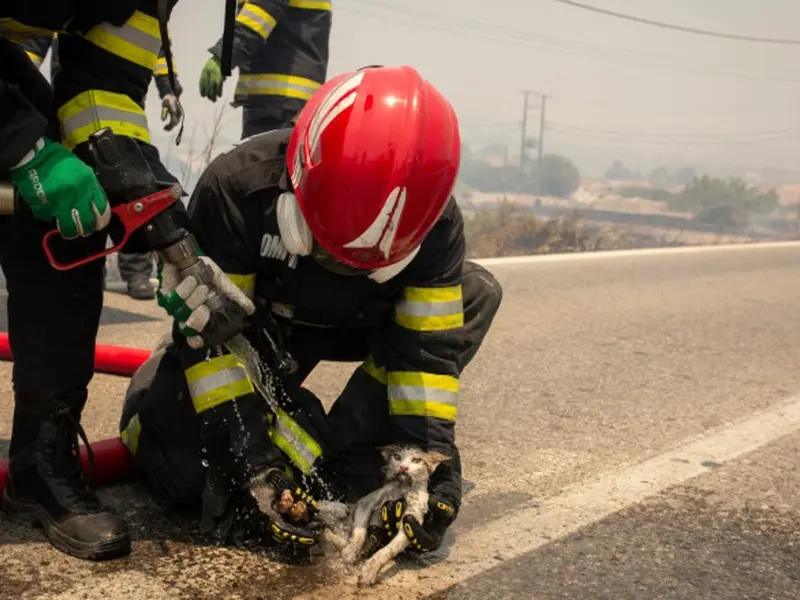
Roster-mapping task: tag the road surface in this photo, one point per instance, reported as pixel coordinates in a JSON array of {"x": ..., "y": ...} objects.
[{"x": 631, "y": 429}]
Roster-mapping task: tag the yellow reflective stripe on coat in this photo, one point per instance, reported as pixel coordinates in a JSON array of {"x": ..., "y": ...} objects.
[
  {"x": 130, "y": 435},
  {"x": 246, "y": 283},
  {"x": 256, "y": 18},
  {"x": 161, "y": 67},
  {"x": 137, "y": 41},
  {"x": 35, "y": 58},
  {"x": 417, "y": 394},
  {"x": 216, "y": 381},
  {"x": 276, "y": 85},
  {"x": 93, "y": 110},
  {"x": 430, "y": 309},
  {"x": 294, "y": 442},
  {"x": 311, "y": 4},
  {"x": 374, "y": 370}
]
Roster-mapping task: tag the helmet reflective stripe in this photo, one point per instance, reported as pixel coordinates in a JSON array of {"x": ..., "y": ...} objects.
[{"x": 383, "y": 229}]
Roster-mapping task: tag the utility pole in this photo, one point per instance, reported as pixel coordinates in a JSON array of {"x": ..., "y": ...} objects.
[
  {"x": 522, "y": 141},
  {"x": 540, "y": 146}
]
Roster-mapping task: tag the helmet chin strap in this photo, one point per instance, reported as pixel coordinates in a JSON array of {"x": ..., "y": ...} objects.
[{"x": 297, "y": 238}]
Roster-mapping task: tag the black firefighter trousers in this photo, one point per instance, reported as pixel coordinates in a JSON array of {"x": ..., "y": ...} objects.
[
  {"x": 53, "y": 316},
  {"x": 168, "y": 447}
]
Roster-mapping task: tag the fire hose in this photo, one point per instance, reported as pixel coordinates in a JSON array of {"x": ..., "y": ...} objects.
[{"x": 112, "y": 461}]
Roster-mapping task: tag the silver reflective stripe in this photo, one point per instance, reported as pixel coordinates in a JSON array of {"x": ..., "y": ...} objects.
[
  {"x": 430, "y": 309},
  {"x": 257, "y": 84},
  {"x": 295, "y": 442},
  {"x": 96, "y": 114},
  {"x": 418, "y": 393},
  {"x": 134, "y": 36},
  {"x": 212, "y": 382},
  {"x": 266, "y": 25}
]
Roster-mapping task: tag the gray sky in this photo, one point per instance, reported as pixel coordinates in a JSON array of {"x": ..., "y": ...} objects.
[{"x": 663, "y": 94}]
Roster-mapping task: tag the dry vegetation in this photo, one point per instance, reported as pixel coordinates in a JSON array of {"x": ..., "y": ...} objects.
[{"x": 508, "y": 229}]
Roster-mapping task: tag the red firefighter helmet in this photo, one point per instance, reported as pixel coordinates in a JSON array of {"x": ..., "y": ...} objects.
[{"x": 373, "y": 159}]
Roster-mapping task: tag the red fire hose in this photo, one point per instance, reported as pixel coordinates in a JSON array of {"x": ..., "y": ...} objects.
[
  {"x": 112, "y": 461},
  {"x": 115, "y": 360}
]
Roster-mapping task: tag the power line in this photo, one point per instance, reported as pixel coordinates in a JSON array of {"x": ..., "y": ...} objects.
[
  {"x": 694, "y": 136},
  {"x": 513, "y": 37},
  {"x": 606, "y": 139},
  {"x": 683, "y": 28}
]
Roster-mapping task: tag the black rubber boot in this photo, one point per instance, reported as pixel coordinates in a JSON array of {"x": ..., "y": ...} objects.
[
  {"x": 46, "y": 486},
  {"x": 140, "y": 288}
]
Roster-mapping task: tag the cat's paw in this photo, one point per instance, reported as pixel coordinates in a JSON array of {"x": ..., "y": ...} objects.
[
  {"x": 350, "y": 554},
  {"x": 337, "y": 540},
  {"x": 368, "y": 575}
]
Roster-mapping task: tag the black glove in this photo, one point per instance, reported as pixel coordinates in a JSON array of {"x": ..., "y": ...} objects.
[
  {"x": 443, "y": 505},
  {"x": 426, "y": 536},
  {"x": 283, "y": 531}
]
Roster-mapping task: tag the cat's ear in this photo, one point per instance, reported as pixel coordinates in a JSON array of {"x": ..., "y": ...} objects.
[
  {"x": 433, "y": 459},
  {"x": 387, "y": 451}
]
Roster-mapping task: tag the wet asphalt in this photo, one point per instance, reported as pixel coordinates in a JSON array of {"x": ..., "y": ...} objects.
[{"x": 591, "y": 366}]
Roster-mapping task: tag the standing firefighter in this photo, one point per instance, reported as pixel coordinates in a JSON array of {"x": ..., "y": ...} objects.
[
  {"x": 343, "y": 230},
  {"x": 135, "y": 267},
  {"x": 107, "y": 53},
  {"x": 281, "y": 49}
]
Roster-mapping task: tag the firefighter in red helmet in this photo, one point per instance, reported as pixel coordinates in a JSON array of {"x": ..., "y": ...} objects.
[{"x": 343, "y": 230}]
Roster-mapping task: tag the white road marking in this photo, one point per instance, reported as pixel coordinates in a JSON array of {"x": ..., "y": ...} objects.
[
  {"x": 521, "y": 532},
  {"x": 611, "y": 254}
]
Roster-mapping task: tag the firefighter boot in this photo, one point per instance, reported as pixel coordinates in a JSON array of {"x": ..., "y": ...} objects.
[{"x": 46, "y": 486}]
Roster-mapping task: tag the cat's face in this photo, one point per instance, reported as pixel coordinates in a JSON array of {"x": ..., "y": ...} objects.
[{"x": 409, "y": 465}]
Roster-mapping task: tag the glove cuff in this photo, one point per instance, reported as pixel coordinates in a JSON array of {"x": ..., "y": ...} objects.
[{"x": 446, "y": 480}]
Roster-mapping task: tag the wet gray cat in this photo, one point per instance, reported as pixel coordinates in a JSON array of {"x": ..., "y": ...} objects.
[{"x": 407, "y": 472}]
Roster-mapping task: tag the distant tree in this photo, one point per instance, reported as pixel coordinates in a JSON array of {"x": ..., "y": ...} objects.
[
  {"x": 560, "y": 176},
  {"x": 658, "y": 176},
  {"x": 618, "y": 170},
  {"x": 706, "y": 192}
]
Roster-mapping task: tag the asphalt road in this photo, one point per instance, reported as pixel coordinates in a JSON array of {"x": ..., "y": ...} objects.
[{"x": 630, "y": 430}]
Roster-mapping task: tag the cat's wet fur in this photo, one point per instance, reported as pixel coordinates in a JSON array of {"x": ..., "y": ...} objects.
[{"x": 407, "y": 470}]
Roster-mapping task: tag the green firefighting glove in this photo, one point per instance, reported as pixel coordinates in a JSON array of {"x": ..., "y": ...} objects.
[
  {"x": 58, "y": 185},
  {"x": 211, "y": 79},
  {"x": 184, "y": 300}
]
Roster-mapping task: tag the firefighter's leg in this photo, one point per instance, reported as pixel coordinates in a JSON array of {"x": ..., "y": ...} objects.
[
  {"x": 359, "y": 419},
  {"x": 161, "y": 429},
  {"x": 53, "y": 318},
  {"x": 135, "y": 268},
  {"x": 272, "y": 113}
]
